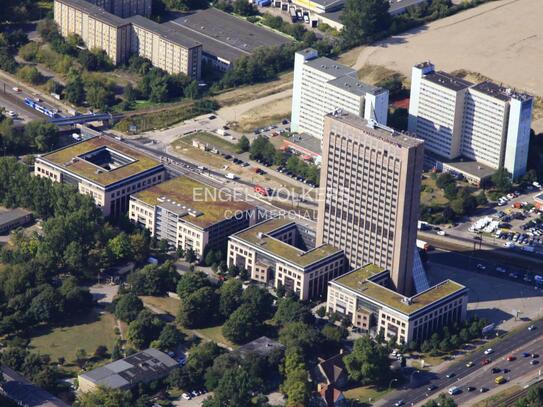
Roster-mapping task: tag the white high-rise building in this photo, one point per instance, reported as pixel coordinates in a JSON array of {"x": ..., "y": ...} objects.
[
  {"x": 485, "y": 122},
  {"x": 321, "y": 85}
]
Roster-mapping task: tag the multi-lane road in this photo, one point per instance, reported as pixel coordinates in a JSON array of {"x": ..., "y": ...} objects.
[{"x": 478, "y": 376}]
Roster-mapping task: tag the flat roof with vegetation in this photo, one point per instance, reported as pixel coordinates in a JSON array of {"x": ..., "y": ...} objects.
[
  {"x": 357, "y": 281},
  {"x": 211, "y": 204},
  {"x": 259, "y": 238},
  {"x": 68, "y": 158}
]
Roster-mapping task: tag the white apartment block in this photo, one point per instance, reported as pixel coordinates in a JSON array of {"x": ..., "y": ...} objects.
[
  {"x": 363, "y": 297},
  {"x": 484, "y": 122},
  {"x": 120, "y": 37},
  {"x": 190, "y": 215},
  {"x": 280, "y": 252},
  {"x": 322, "y": 86}
]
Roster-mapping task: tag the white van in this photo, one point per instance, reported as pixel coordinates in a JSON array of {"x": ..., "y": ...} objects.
[{"x": 454, "y": 390}]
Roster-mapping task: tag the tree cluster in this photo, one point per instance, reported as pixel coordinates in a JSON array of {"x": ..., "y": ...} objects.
[
  {"x": 368, "y": 363},
  {"x": 452, "y": 337},
  {"x": 153, "y": 279},
  {"x": 443, "y": 400},
  {"x": 32, "y": 366},
  {"x": 36, "y": 136},
  {"x": 10, "y": 42}
]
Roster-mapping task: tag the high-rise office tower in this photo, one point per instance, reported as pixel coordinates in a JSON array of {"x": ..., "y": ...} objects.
[
  {"x": 370, "y": 186},
  {"x": 321, "y": 85}
]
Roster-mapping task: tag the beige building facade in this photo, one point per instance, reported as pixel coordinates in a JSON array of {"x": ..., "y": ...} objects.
[
  {"x": 280, "y": 252},
  {"x": 370, "y": 181},
  {"x": 125, "y": 8},
  {"x": 108, "y": 171},
  {"x": 364, "y": 298},
  {"x": 190, "y": 215}
]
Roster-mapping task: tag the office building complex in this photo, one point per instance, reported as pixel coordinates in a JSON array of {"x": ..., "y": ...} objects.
[
  {"x": 458, "y": 120},
  {"x": 365, "y": 298},
  {"x": 281, "y": 252},
  {"x": 321, "y": 85},
  {"x": 371, "y": 178},
  {"x": 106, "y": 170},
  {"x": 125, "y": 8},
  {"x": 190, "y": 215},
  {"x": 121, "y": 37}
]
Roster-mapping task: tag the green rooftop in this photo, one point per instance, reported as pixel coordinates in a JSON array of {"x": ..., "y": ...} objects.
[
  {"x": 67, "y": 158},
  {"x": 214, "y": 205},
  {"x": 258, "y": 236},
  {"x": 357, "y": 280}
]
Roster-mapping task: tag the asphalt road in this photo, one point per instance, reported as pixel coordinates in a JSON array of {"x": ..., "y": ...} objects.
[
  {"x": 10, "y": 101},
  {"x": 477, "y": 376}
]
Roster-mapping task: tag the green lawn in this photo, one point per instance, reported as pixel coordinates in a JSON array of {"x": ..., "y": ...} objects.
[
  {"x": 214, "y": 334},
  {"x": 431, "y": 195},
  {"x": 166, "y": 304},
  {"x": 87, "y": 333},
  {"x": 364, "y": 393},
  {"x": 212, "y": 139}
]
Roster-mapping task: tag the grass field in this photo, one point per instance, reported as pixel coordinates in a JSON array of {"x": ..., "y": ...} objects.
[
  {"x": 432, "y": 195},
  {"x": 214, "y": 334},
  {"x": 212, "y": 139},
  {"x": 166, "y": 304},
  {"x": 87, "y": 333},
  {"x": 364, "y": 393}
]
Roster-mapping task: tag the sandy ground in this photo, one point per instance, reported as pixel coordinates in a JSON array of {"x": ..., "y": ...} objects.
[{"x": 502, "y": 40}]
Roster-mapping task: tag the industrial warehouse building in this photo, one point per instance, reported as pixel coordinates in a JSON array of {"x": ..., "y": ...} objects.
[
  {"x": 190, "y": 215},
  {"x": 108, "y": 171}
]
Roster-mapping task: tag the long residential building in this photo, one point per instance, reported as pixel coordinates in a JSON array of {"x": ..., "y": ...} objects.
[
  {"x": 190, "y": 215},
  {"x": 485, "y": 123},
  {"x": 125, "y": 8},
  {"x": 370, "y": 178},
  {"x": 281, "y": 252},
  {"x": 322, "y": 85},
  {"x": 108, "y": 171},
  {"x": 121, "y": 37},
  {"x": 364, "y": 297}
]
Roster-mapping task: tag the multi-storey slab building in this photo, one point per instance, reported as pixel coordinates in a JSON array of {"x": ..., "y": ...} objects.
[
  {"x": 96, "y": 27},
  {"x": 365, "y": 298},
  {"x": 370, "y": 179},
  {"x": 281, "y": 252},
  {"x": 484, "y": 122},
  {"x": 125, "y": 8},
  {"x": 108, "y": 171},
  {"x": 321, "y": 85},
  {"x": 121, "y": 37},
  {"x": 190, "y": 215},
  {"x": 165, "y": 47}
]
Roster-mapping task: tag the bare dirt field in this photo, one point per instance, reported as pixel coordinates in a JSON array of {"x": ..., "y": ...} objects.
[{"x": 502, "y": 40}]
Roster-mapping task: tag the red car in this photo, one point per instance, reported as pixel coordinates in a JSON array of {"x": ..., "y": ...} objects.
[
  {"x": 510, "y": 358},
  {"x": 485, "y": 362}
]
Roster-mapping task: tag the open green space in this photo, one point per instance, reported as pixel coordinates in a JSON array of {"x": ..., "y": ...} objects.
[
  {"x": 86, "y": 333},
  {"x": 430, "y": 194},
  {"x": 365, "y": 393},
  {"x": 212, "y": 140},
  {"x": 214, "y": 333},
  {"x": 168, "y": 305}
]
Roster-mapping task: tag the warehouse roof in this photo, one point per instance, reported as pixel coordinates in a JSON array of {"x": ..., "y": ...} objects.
[
  {"x": 9, "y": 215},
  {"x": 78, "y": 159},
  {"x": 259, "y": 236},
  {"x": 96, "y": 12},
  {"x": 197, "y": 203},
  {"x": 164, "y": 31},
  {"x": 230, "y": 31},
  {"x": 142, "y": 367}
]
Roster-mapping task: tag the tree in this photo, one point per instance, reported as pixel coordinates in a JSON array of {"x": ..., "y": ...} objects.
[
  {"x": 190, "y": 255},
  {"x": 199, "y": 308},
  {"x": 501, "y": 180},
  {"x": 444, "y": 179},
  {"x": 299, "y": 335},
  {"x": 243, "y": 325},
  {"x": 106, "y": 397},
  {"x": 75, "y": 91},
  {"x": 443, "y": 400},
  {"x": 362, "y": 20},
  {"x": 100, "y": 96},
  {"x": 236, "y": 388},
  {"x": 42, "y": 134},
  {"x": 80, "y": 357},
  {"x": 260, "y": 299},
  {"x": 291, "y": 310},
  {"x": 192, "y": 91},
  {"x": 117, "y": 352},
  {"x": 368, "y": 362},
  {"x": 244, "y": 8},
  {"x": 30, "y": 74},
  {"x": 200, "y": 359},
  {"x": 243, "y": 144},
  {"x": 333, "y": 336},
  {"x": 100, "y": 352},
  {"x": 296, "y": 385},
  {"x": 128, "y": 307},
  {"x": 144, "y": 329},
  {"x": 190, "y": 282},
  {"x": 169, "y": 338},
  {"x": 230, "y": 297}
]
